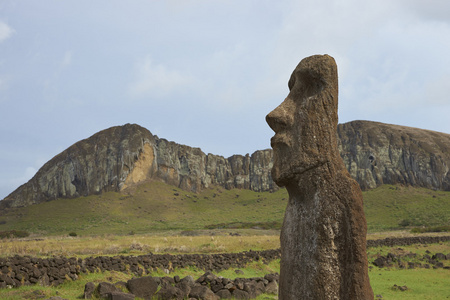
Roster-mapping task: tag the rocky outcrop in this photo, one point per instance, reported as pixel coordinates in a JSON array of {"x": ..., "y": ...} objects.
[
  {"x": 122, "y": 156},
  {"x": 376, "y": 153},
  {"x": 103, "y": 162}
]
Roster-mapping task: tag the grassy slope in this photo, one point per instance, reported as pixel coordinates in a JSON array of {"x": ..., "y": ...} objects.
[
  {"x": 388, "y": 206},
  {"x": 155, "y": 206}
]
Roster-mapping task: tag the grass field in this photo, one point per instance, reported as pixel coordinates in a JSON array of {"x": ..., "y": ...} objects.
[
  {"x": 158, "y": 218},
  {"x": 421, "y": 283},
  {"x": 389, "y": 207},
  {"x": 210, "y": 241},
  {"x": 152, "y": 207},
  {"x": 158, "y": 207}
]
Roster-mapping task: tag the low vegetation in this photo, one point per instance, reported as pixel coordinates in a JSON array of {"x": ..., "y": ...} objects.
[
  {"x": 158, "y": 207},
  {"x": 158, "y": 218},
  {"x": 220, "y": 242},
  {"x": 445, "y": 228},
  {"x": 421, "y": 283},
  {"x": 13, "y": 234},
  {"x": 392, "y": 207}
]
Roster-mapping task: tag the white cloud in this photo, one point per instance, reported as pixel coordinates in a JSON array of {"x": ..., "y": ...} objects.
[
  {"x": 157, "y": 80},
  {"x": 5, "y": 31}
]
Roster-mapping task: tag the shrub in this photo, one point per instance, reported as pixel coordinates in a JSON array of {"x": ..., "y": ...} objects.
[
  {"x": 190, "y": 233},
  {"x": 13, "y": 234},
  {"x": 72, "y": 233},
  {"x": 445, "y": 228},
  {"x": 405, "y": 222}
]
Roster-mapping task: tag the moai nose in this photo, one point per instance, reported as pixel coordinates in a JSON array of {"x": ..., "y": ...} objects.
[{"x": 281, "y": 117}]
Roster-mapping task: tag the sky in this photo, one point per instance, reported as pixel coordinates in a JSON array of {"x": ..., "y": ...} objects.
[{"x": 205, "y": 73}]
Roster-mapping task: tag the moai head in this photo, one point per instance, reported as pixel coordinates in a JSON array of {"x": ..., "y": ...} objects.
[{"x": 305, "y": 123}]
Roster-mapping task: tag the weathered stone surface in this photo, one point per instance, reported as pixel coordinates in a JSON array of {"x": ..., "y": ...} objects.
[
  {"x": 123, "y": 156},
  {"x": 376, "y": 153},
  {"x": 119, "y": 296},
  {"x": 202, "y": 293},
  {"x": 143, "y": 287},
  {"x": 169, "y": 292},
  {"x": 104, "y": 162},
  {"x": 272, "y": 288},
  {"x": 106, "y": 288},
  {"x": 89, "y": 289},
  {"x": 224, "y": 294},
  {"x": 323, "y": 238},
  {"x": 240, "y": 294}
]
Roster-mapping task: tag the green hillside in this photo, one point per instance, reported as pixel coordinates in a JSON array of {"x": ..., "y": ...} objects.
[
  {"x": 156, "y": 206},
  {"x": 388, "y": 207}
]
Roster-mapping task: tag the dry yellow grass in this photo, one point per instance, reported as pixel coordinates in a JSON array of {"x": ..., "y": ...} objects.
[
  {"x": 136, "y": 245},
  {"x": 164, "y": 242}
]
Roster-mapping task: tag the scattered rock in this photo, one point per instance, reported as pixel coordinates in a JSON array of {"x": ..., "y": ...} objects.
[
  {"x": 202, "y": 293},
  {"x": 89, "y": 289},
  {"x": 144, "y": 287},
  {"x": 439, "y": 256},
  {"x": 240, "y": 294},
  {"x": 272, "y": 288},
  {"x": 120, "y": 296},
  {"x": 169, "y": 292},
  {"x": 105, "y": 288},
  {"x": 400, "y": 288},
  {"x": 224, "y": 294}
]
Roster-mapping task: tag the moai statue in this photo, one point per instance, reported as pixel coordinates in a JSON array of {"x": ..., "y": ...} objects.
[{"x": 323, "y": 238}]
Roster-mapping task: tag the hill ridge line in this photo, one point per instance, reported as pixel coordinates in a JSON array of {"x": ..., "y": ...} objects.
[{"x": 120, "y": 157}]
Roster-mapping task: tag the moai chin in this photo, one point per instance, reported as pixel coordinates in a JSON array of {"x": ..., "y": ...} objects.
[{"x": 323, "y": 238}]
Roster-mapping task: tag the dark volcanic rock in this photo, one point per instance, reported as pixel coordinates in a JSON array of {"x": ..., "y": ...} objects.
[
  {"x": 100, "y": 163},
  {"x": 143, "y": 287},
  {"x": 123, "y": 156},
  {"x": 119, "y": 296},
  {"x": 376, "y": 153},
  {"x": 106, "y": 288},
  {"x": 169, "y": 292},
  {"x": 203, "y": 293},
  {"x": 89, "y": 289}
]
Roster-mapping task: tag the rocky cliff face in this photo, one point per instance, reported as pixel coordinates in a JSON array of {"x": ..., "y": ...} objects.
[
  {"x": 120, "y": 157},
  {"x": 377, "y": 153}
]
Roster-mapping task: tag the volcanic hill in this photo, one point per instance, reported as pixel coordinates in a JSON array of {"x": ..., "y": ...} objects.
[{"x": 125, "y": 156}]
